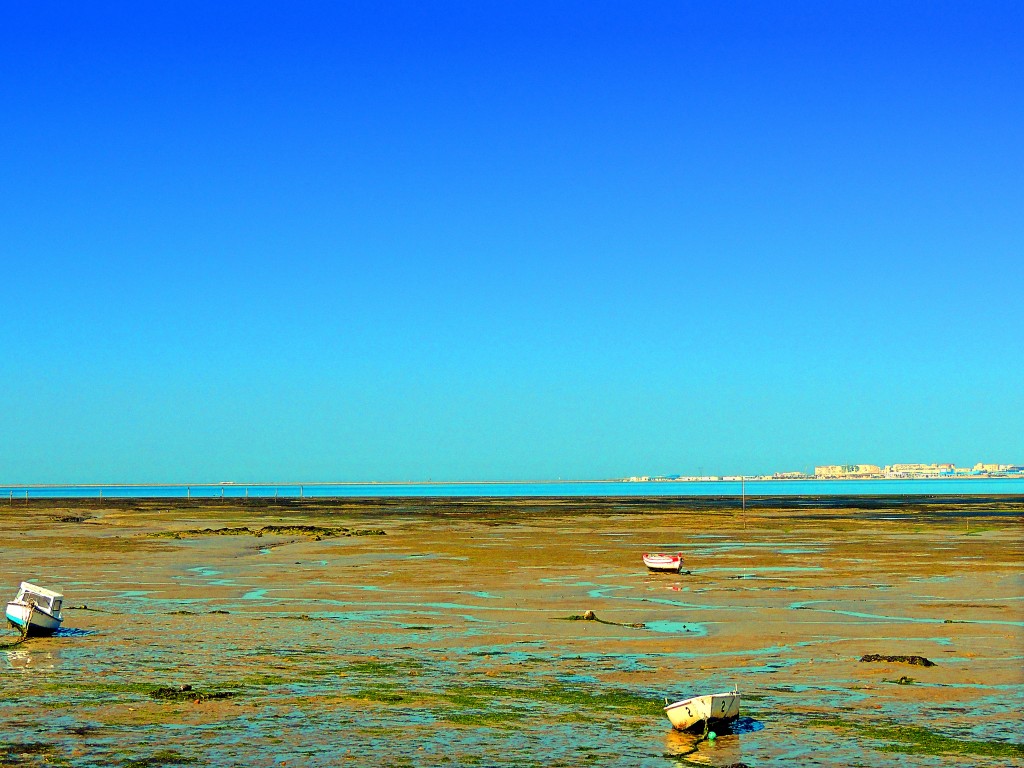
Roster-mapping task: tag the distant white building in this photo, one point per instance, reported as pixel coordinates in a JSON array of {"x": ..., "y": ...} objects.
[{"x": 847, "y": 470}]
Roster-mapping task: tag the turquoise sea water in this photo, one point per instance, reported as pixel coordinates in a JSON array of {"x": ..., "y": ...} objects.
[{"x": 941, "y": 486}]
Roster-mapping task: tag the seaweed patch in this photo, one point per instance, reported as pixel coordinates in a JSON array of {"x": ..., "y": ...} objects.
[
  {"x": 919, "y": 661},
  {"x": 188, "y": 693},
  {"x": 910, "y": 739},
  {"x": 316, "y": 532}
]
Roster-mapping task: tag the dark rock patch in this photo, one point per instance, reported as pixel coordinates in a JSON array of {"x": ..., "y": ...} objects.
[
  {"x": 919, "y": 661},
  {"x": 188, "y": 693}
]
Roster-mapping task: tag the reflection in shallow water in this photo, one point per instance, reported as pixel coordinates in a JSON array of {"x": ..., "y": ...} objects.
[
  {"x": 745, "y": 725},
  {"x": 726, "y": 749},
  {"x": 72, "y": 632},
  {"x": 25, "y": 658}
]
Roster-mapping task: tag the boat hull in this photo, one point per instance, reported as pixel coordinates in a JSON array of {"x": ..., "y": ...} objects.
[
  {"x": 703, "y": 711},
  {"x": 39, "y": 622}
]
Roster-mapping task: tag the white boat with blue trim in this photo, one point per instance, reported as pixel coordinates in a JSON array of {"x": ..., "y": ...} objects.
[{"x": 35, "y": 611}]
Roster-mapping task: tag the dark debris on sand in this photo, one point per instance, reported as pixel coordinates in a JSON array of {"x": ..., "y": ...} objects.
[
  {"x": 920, "y": 661},
  {"x": 188, "y": 693}
]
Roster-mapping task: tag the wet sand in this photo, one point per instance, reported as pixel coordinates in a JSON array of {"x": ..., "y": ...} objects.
[{"x": 444, "y": 640}]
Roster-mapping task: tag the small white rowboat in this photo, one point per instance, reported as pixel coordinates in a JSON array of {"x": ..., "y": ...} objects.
[
  {"x": 688, "y": 713},
  {"x": 661, "y": 562},
  {"x": 35, "y": 611}
]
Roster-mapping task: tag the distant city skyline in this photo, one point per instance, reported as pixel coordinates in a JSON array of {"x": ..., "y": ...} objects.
[
  {"x": 400, "y": 242},
  {"x": 819, "y": 472},
  {"x": 859, "y": 471}
]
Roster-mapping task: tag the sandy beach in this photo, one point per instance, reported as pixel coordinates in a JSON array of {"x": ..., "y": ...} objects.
[{"x": 408, "y": 632}]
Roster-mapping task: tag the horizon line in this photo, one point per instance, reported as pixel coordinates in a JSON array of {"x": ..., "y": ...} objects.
[{"x": 717, "y": 478}]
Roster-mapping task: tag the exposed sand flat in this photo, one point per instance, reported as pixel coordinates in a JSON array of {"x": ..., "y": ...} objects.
[{"x": 444, "y": 641}]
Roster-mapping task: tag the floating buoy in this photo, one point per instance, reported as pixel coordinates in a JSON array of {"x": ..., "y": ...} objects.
[{"x": 712, "y": 735}]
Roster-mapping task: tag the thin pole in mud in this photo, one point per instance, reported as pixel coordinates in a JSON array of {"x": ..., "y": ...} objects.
[
  {"x": 101, "y": 494},
  {"x": 743, "y": 501}
]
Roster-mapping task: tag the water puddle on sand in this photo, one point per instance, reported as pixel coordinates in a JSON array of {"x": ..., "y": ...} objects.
[
  {"x": 764, "y": 569},
  {"x": 810, "y": 605},
  {"x": 676, "y": 627},
  {"x": 202, "y": 570}
]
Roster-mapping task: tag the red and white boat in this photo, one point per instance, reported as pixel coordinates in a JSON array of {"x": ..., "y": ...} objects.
[{"x": 657, "y": 561}]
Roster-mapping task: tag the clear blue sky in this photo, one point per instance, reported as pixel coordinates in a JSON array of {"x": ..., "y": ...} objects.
[{"x": 471, "y": 240}]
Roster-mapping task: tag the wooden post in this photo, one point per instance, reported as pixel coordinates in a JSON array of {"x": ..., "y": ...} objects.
[{"x": 743, "y": 499}]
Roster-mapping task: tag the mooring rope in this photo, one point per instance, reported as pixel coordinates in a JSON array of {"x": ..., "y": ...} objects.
[{"x": 24, "y": 629}]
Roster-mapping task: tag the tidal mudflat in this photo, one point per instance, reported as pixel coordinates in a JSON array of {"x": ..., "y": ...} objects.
[{"x": 411, "y": 632}]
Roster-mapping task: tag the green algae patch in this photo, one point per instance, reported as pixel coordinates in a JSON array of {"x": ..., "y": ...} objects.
[
  {"x": 502, "y": 707},
  {"x": 474, "y": 719},
  {"x": 263, "y": 679},
  {"x": 914, "y": 740},
  {"x": 382, "y": 695},
  {"x": 382, "y": 668},
  {"x": 485, "y": 719},
  {"x": 904, "y": 680},
  {"x": 30, "y": 753},
  {"x": 615, "y": 700},
  {"x": 188, "y": 693},
  {"x": 161, "y": 758},
  {"x": 99, "y": 687},
  {"x": 591, "y": 616},
  {"x": 589, "y": 703}
]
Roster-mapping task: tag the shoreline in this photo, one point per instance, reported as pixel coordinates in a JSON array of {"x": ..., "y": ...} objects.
[
  {"x": 947, "y": 505},
  {"x": 460, "y": 483}
]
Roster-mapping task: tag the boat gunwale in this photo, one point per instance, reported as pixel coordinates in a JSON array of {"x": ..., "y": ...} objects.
[{"x": 684, "y": 702}]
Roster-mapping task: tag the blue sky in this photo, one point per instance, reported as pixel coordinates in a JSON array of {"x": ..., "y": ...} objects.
[{"x": 464, "y": 240}]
